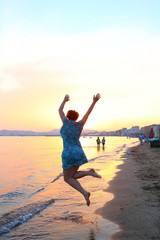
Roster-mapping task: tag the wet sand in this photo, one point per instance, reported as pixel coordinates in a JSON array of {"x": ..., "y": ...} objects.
[{"x": 136, "y": 188}]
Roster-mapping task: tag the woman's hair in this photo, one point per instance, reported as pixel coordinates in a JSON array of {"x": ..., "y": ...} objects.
[{"x": 72, "y": 115}]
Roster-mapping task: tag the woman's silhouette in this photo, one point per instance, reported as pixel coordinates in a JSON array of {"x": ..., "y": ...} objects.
[{"x": 73, "y": 155}]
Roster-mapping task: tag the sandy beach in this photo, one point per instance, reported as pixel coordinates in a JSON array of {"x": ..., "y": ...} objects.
[{"x": 136, "y": 188}]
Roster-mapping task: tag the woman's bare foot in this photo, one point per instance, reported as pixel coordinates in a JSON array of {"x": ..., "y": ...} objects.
[
  {"x": 94, "y": 174},
  {"x": 86, "y": 196}
]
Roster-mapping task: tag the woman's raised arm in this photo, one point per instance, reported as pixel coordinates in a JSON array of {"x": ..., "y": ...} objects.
[
  {"x": 95, "y": 99},
  {"x": 61, "y": 113}
]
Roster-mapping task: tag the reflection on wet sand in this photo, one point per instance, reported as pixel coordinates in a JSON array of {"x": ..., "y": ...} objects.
[{"x": 92, "y": 235}]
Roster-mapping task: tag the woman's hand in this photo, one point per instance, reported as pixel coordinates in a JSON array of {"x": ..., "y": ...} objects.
[
  {"x": 96, "y": 97},
  {"x": 66, "y": 98}
]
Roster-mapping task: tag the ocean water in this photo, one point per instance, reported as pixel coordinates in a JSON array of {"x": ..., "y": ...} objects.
[{"x": 35, "y": 202}]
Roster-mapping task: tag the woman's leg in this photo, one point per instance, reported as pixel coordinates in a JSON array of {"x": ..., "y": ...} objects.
[
  {"x": 69, "y": 178},
  {"x": 91, "y": 172}
]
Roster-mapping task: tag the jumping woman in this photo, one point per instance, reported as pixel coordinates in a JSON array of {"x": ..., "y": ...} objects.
[{"x": 73, "y": 155}]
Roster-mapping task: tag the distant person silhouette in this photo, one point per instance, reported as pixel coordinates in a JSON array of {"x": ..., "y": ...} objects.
[
  {"x": 73, "y": 155},
  {"x": 103, "y": 142},
  {"x": 98, "y": 141},
  {"x": 141, "y": 138}
]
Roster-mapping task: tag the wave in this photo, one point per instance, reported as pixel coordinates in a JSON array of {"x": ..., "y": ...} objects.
[
  {"x": 11, "y": 195},
  {"x": 93, "y": 159},
  {"x": 57, "y": 177},
  {"x": 20, "y": 215},
  {"x": 39, "y": 190},
  {"x": 44, "y": 187}
]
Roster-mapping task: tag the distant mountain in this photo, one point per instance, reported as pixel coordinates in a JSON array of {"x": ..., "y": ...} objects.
[
  {"x": 54, "y": 132},
  {"x": 27, "y": 133}
]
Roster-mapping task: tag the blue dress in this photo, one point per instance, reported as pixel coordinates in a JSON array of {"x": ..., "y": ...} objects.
[{"x": 73, "y": 154}]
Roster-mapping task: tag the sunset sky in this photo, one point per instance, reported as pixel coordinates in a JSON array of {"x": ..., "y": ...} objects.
[{"x": 51, "y": 48}]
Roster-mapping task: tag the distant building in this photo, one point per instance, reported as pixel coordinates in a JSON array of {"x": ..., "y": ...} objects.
[
  {"x": 134, "y": 131},
  {"x": 124, "y": 132},
  {"x": 154, "y": 127}
]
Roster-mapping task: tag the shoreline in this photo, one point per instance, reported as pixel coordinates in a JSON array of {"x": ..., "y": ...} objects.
[{"x": 136, "y": 189}]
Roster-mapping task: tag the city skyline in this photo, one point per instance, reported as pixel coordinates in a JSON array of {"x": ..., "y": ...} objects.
[
  {"x": 88, "y": 132},
  {"x": 52, "y": 48}
]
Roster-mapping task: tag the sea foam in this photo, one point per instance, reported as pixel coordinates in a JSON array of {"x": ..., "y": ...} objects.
[{"x": 20, "y": 215}]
